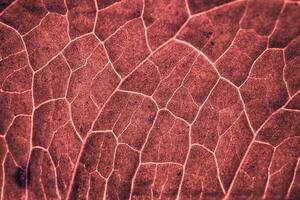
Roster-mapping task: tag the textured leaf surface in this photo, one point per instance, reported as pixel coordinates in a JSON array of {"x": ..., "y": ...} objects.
[{"x": 149, "y": 99}]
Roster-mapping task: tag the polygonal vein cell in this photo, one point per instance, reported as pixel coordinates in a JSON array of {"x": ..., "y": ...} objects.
[
  {"x": 78, "y": 51},
  {"x": 46, "y": 40},
  {"x": 87, "y": 67},
  {"x": 122, "y": 47},
  {"x": 231, "y": 149},
  {"x": 81, "y": 17},
  {"x": 9, "y": 67},
  {"x": 200, "y": 178},
  {"x": 47, "y": 119},
  {"x": 96, "y": 157},
  {"x": 179, "y": 67},
  {"x": 163, "y": 19},
  {"x": 43, "y": 180},
  {"x": 13, "y": 104},
  {"x": 219, "y": 112},
  {"x": 120, "y": 181},
  {"x": 212, "y": 32},
  {"x": 24, "y": 15},
  {"x": 291, "y": 70},
  {"x": 110, "y": 20},
  {"x": 252, "y": 178},
  {"x": 143, "y": 80},
  {"x": 280, "y": 127},
  {"x": 261, "y": 16},
  {"x": 51, "y": 82},
  {"x": 282, "y": 168},
  {"x": 15, "y": 72},
  {"x": 11, "y": 42},
  {"x": 18, "y": 139},
  {"x": 150, "y": 177},
  {"x": 285, "y": 31},
  {"x": 91, "y": 83},
  {"x": 236, "y": 63},
  {"x": 168, "y": 140},
  {"x": 64, "y": 150},
  {"x": 264, "y": 91},
  {"x": 129, "y": 116},
  {"x": 195, "y": 88}
]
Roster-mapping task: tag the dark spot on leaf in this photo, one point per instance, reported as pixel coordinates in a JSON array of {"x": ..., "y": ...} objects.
[
  {"x": 212, "y": 43},
  {"x": 207, "y": 34},
  {"x": 136, "y": 14},
  {"x": 4, "y": 4},
  {"x": 22, "y": 177},
  {"x": 81, "y": 129}
]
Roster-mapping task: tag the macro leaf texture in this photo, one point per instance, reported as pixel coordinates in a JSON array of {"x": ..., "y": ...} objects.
[{"x": 149, "y": 99}]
